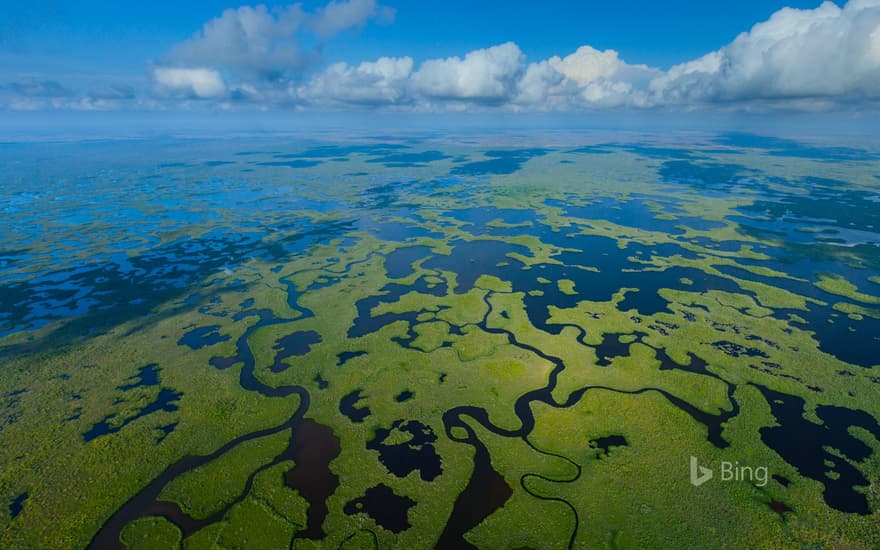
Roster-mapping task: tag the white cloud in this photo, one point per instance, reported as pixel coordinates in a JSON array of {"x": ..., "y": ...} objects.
[
  {"x": 811, "y": 58},
  {"x": 533, "y": 89},
  {"x": 263, "y": 43},
  {"x": 596, "y": 78},
  {"x": 249, "y": 40},
  {"x": 370, "y": 83},
  {"x": 199, "y": 82},
  {"x": 587, "y": 64},
  {"x": 488, "y": 75},
  {"x": 256, "y": 57},
  {"x": 336, "y": 16},
  {"x": 494, "y": 76},
  {"x": 827, "y": 52}
]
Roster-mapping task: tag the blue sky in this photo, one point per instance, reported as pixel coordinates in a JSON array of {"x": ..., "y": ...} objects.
[
  {"x": 451, "y": 55},
  {"x": 100, "y": 37}
]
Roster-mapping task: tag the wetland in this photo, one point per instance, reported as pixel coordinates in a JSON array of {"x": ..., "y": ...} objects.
[{"x": 493, "y": 340}]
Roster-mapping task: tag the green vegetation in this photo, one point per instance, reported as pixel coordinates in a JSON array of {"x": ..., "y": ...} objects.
[
  {"x": 836, "y": 284},
  {"x": 203, "y": 491},
  {"x": 587, "y": 394}
]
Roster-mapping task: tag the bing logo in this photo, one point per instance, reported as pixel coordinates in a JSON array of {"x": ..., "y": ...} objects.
[{"x": 730, "y": 471}]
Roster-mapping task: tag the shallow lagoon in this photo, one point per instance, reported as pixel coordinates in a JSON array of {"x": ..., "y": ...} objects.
[{"x": 420, "y": 341}]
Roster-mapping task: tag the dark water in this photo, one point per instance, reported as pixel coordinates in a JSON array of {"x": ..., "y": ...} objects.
[
  {"x": 346, "y": 356},
  {"x": 409, "y": 160},
  {"x": 200, "y": 337},
  {"x": 148, "y": 375},
  {"x": 415, "y": 453},
  {"x": 781, "y": 147},
  {"x": 500, "y": 162},
  {"x": 607, "y": 442},
  {"x": 293, "y": 345},
  {"x": 485, "y": 492},
  {"x": 94, "y": 297},
  {"x": 398, "y": 263},
  {"x": 17, "y": 505},
  {"x": 805, "y": 445},
  {"x": 348, "y": 407},
  {"x": 167, "y": 400},
  {"x": 387, "y": 509},
  {"x": 634, "y": 213},
  {"x": 314, "y": 449},
  {"x": 405, "y": 395}
]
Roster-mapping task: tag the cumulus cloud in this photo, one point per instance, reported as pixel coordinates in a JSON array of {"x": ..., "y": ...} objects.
[
  {"x": 587, "y": 64},
  {"x": 494, "y": 76},
  {"x": 266, "y": 58},
  {"x": 370, "y": 83},
  {"x": 198, "y": 83},
  {"x": 827, "y": 52},
  {"x": 594, "y": 78},
  {"x": 534, "y": 88},
  {"x": 253, "y": 41},
  {"x": 822, "y": 56},
  {"x": 263, "y": 43},
  {"x": 488, "y": 75}
]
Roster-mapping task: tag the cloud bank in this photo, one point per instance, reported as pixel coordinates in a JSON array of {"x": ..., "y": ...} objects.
[
  {"x": 824, "y": 53},
  {"x": 257, "y": 57}
]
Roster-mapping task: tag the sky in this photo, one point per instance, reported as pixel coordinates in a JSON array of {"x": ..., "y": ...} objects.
[{"x": 452, "y": 56}]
